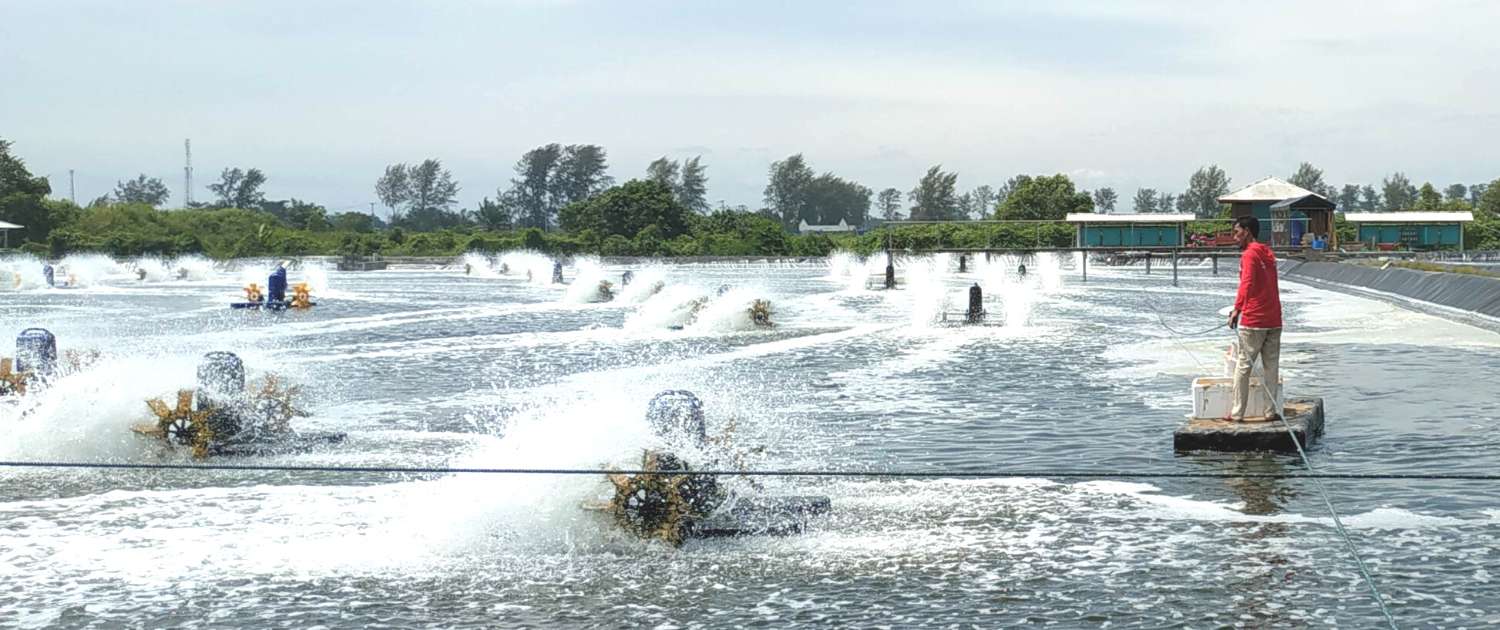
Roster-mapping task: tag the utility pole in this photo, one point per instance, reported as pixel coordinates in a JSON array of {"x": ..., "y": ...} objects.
[
  {"x": 72, "y": 192},
  {"x": 187, "y": 174},
  {"x": 372, "y": 209}
]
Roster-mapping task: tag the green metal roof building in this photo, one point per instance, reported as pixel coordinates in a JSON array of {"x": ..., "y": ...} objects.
[{"x": 1130, "y": 230}]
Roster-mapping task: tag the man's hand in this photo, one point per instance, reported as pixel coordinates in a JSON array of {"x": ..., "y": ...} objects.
[{"x": 1234, "y": 319}]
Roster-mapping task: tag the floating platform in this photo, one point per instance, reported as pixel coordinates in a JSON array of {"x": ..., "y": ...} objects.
[
  {"x": 1303, "y": 415},
  {"x": 273, "y": 305},
  {"x": 279, "y": 445},
  {"x": 362, "y": 265},
  {"x": 750, "y": 516},
  {"x": 761, "y": 516}
]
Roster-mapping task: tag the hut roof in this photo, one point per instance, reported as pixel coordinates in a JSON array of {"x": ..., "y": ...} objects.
[
  {"x": 1268, "y": 189},
  {"x": 1310, "y": 201}
]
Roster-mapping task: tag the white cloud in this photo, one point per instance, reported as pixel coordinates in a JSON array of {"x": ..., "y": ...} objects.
[{"x": 1118, "y": 94}]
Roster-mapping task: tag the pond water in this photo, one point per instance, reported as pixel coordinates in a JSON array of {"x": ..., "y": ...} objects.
[{"x": 438, "y": 367}]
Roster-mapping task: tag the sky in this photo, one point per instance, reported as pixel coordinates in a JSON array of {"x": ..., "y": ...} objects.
[{"x": 321, "y": 96}]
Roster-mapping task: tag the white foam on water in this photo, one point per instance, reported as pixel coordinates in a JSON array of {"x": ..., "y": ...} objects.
[
  {"x": 1177, "y": 508},
  {"x": 1352, "y": 320},
  {"x": 588, "y": 282},
  {"x": 1366, "y": 320}
]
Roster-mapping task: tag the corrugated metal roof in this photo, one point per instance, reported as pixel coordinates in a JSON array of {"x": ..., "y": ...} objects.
[
  {"x": 1090, "y": 217},
  {"x": 1268, "y": 189},
  {"x": 1408, "y": 217},
  {"x": 1311, "y": 201},
  {"x": 9, "y": 226}
]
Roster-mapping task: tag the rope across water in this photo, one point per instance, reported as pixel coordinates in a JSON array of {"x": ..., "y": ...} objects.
[{"x": 889, "y": 474}]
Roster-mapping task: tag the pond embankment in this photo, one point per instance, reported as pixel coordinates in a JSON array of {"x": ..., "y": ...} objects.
[{"x": 1472, "y": 297}]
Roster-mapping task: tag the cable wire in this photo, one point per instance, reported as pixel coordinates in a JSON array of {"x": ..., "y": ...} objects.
[
  {"x": 904, "y": 474},
  {"x": 1338, "y": 524}
]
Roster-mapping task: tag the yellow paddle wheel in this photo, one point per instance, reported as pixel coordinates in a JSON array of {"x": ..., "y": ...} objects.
[
  {"x": 12, "y": 383},
  {"x": 760, "y": 313},
  {"x": 301, "y": 296},
  {"x": 181, "y": 425},
  {"x": 664, "y": 502},
  {"x": 274, "y": 406}
]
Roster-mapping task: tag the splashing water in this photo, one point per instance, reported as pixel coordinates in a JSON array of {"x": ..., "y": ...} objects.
[
  {"x": 674, "y": 306},
  {"x": 315, "y": 274},
  {"x": 926, "y": 292},
  {"x": 853, "y": 271},
  {"x": 526, "y": 262},
  {"x": 20, "y": 273},
  {"x": 180, "y": 269},
  {"x": 194, "y": 267},
  {"x": 312, "y": 272},
  {"x": 729, "y": 312},
  {"x": 87, "y": 416},
  {"x": 1050, "y": 270},
  {"x": 644, "y": 284},
  {"x": 585, "y": 286},
  {"x": 479, "y": 265},
  {"x": 1001, "y": 278},
  {"x": 155, "y": 269},
  {"x": 86, "y": 270}
]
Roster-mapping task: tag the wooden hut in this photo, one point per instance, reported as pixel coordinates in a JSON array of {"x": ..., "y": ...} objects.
[{"x": 1286, "y": 211}]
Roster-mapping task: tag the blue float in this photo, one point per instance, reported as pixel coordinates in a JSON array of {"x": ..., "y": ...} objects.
[
  {"x": 276, "y": 285},
  {"x": 36, "y": 352}
]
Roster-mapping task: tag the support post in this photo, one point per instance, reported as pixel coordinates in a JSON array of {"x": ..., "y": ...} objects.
[
  {"x": 1174, "y": 267},
  {"x": 1085, "y": 254},
  {"x": 890, "y": 270},
  {"x": 1148, "y": 263},
  {"x": 975, "y": 314},
  {"x": 1215, "y": 257}
]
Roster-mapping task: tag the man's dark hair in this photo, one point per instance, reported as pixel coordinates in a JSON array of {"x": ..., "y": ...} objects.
[{"x": 1251, "y": 225}]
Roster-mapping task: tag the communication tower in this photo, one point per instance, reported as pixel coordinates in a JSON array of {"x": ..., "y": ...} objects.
[{"x": 187, "y": 174}]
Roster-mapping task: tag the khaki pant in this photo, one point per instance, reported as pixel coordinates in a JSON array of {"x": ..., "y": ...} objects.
[{"x": 1264, "y": 343}]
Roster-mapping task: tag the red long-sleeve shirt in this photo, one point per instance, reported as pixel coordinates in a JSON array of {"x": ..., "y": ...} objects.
[{"x": 1259, "y": 299}]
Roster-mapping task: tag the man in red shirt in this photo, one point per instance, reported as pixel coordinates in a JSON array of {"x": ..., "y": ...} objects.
[{"x": 1257, "y": 314}]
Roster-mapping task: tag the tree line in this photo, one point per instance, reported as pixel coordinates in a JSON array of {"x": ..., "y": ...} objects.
[{"x": 561, "y": 198}]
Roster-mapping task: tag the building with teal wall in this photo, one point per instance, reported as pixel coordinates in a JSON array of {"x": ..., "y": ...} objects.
[
  {"x": 1129, "y": 230},
  {"x": 1411, "y": 230}
]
